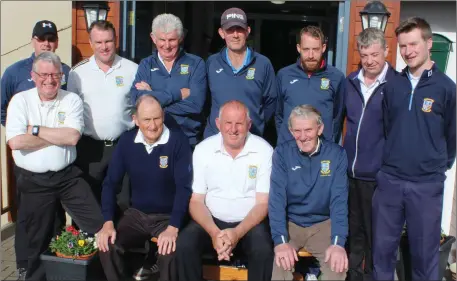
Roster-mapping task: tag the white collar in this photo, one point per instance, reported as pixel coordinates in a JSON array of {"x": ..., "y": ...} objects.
[
  {"x": 116, "y": 63},
  {"x": 381, "y": 77},
  {"x": 249, "y": 146},
  {"x": 161, "y": 60},
  {"x": 163, "y": 139}
]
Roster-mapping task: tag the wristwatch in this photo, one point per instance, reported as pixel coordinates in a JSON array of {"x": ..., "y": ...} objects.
[{"x": 35, "y": 130}]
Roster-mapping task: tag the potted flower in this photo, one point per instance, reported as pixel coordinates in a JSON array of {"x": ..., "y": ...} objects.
[
  {"x": 70, "y": 255},
  {"x": 404, "y": 268}
]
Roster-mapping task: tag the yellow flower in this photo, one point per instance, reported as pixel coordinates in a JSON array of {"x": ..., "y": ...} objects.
[{"x": 81, "y": 242}]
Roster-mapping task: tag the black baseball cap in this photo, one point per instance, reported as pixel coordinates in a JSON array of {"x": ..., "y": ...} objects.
[
  {"x": 44, "y": 27},
  {"x": 234, "y": 17}
]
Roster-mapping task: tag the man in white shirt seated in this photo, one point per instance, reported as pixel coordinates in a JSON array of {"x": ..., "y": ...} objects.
[
  {"x": 230, "y": 198},
  {"x": 42, "y": 128}
]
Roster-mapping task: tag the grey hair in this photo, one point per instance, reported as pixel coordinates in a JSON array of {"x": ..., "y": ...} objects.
[
  {"x": 140, "y": 100},
  {"x": 371, "y": 36},
  {"x": 305, "y": 111},
  {"x": 236, "y": 103},
  {"x": 47, "y": 57},
  {"x": 167, "y": 23}
]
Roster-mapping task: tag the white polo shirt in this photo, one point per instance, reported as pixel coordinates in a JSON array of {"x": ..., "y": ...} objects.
[
  {"x": 231, "y": 184},
  {"x": 26, "y": 108},
  {"x": 367, "y": 91},
  {"x": 106, "y": 96}
]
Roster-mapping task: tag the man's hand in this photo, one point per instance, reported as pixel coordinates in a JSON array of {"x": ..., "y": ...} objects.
[
  {"x": 166, "y": 241},
  {"x": 185, "y": 92},
  {"x": 336, "y": 257},
  {"x": 230, "y": 235},
  {"x": 285, "y": 256},
  {"x": 222, "y": 246},
  {"x": 143, "y": 86},
  {"x": 104, "y": 234}
]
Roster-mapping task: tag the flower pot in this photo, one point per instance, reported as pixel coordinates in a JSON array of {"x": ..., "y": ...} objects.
[
  {"x": 82, "y": 257},
  {"x": 69, "y": 268},
  {"x": 404, "y": 268}
]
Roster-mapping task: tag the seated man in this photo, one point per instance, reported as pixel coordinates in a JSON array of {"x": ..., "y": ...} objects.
[
  {"x": 42, "y": 128},
  {"x": 158, "y": 162},
  {"x": 308, "y": 199},
  {"x": 230, "y": 198}
]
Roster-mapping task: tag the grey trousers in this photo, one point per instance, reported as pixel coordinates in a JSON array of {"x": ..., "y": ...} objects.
[{"x": 315, "y": 239}]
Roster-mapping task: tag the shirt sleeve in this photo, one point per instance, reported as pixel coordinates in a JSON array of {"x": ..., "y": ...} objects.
[
  {"x": 199, "y": 165},
  {"x": 17, "y": 118},
  {"x": 74, "y": 83},
  {"x": 338, "y": 108},
  {"x": 7, "y": 89},
  {"x": 269, "y": 92},
  {"x": 74, "y": 118},
  {"x": 451, "y": 125},
  {"x": 264, "y": 174}
]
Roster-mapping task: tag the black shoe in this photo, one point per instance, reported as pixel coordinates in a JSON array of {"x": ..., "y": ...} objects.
[{"x": 22, "y": 273}]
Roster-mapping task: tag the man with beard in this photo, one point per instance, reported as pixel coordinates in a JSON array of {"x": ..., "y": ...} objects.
[
  {"x": 311, "y": 81},
  {"x": 420, "y": 124},
  {"x": 15, "y": 79},
  {"x": 239, "y": 73}
]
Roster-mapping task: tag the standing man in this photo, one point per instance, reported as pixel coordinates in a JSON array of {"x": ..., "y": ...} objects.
[
  {"x": 159, "y": 163},
  {"x": 175, "y": 78},
  {"x": 103, "y": 82},
  {"x": 308, "y": 198},
  {"x": 43, "y": 126},
  {"x": 230, "y": 198},
  {"x": 239, "y": 73},
  {"x": 15, "y": 79},
  {"x": 311, "y": 81},
  {"x": 363, "y": 143},
  {"x": 420, "y": 123}
]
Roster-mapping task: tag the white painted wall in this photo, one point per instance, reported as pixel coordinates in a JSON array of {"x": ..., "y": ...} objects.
[{"x": 441, "y": 15}]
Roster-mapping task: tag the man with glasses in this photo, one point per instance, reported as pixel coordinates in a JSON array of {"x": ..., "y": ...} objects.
[
  {"x": 15, "y": 79},
  {"x": 43, "y": 126}
]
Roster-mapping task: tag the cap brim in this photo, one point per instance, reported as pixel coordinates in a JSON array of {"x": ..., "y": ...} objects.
[
  {"x": 43, "y": 34},
  {"x": 231, "y": 24}
]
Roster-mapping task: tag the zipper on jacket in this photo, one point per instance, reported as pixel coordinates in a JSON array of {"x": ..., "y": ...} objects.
[{"x": 411, "y": 100}]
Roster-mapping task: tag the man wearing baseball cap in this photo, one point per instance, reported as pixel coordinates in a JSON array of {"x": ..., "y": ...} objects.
[
  {"x": 17, "y": 78},
  {"x": 239, "y": 73}
]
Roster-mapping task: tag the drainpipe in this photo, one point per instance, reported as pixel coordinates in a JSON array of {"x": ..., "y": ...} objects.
[
  {"x": 132, "y": 30},
  {"x": 124, "y": 29}
]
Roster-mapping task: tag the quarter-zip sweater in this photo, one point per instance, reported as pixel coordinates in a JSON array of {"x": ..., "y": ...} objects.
[
  {"x": 364, "y": 139},
  {"x": 420, "y": 126},
  {"x": 309, "y": 189},
  {"x": 254, "y": 85},
  {"x": 188, "y": 71},
  {"x": 17, "y": 78},
  {"x": 323, "y": 89}
]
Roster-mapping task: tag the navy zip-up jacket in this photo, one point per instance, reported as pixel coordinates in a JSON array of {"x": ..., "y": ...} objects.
[
  {"x": 309, "y": 189},
  {"x": 420, "y": 126},
  {"x": 364, "y": 139},
  {"x": 323, "y": 89},
  {"x": 188, "y": 71},
  {"x": 254, "y": 85},
  {"x": 17, "y": 78}
]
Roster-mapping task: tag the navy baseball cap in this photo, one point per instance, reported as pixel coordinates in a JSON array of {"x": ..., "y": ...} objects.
[
  {"x": 234, "y": 17},
  {"x": 44, "y": 27}
]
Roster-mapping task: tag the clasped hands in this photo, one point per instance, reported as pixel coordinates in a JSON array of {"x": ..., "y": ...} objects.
[{"x": 224, "y": 242}]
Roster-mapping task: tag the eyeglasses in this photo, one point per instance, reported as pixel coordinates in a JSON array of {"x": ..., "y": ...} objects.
[
  {"x": 46, "y": 75},
  {"x": 47, "y": 37}
]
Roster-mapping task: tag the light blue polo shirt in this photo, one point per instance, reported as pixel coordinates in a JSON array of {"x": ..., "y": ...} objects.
[{"x": 247, "y": 59}]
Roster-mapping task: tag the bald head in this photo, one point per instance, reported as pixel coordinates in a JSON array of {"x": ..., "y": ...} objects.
[
  {"x": 234, "y": 105},
  {"x": 234, "y": 124},
  {"x": 149, "y": 117}
]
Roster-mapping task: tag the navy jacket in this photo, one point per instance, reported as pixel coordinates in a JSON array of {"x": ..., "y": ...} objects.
[
  {"x": 17, "y": 78},
  {"x": 364, "y": 139},
  {"x": 161, "y": 182},
  {"x": 254, "y": 85},
  {"x": 188, "y": 71},
  {"x": 323, "y": 89},
  {"x": 420, "y": 126},
  {"x": 308, "y": 189}
]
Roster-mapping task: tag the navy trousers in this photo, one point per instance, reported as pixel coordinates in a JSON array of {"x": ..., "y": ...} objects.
[{"x": 420, "y": 204}]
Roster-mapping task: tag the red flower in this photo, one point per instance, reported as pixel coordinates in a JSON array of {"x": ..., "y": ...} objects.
[
  {"x": 75, "y": 232},
  {"x": 70, "y": 228}
]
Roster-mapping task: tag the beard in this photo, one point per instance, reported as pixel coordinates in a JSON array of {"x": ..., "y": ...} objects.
[{"x": 311, "y": 66}]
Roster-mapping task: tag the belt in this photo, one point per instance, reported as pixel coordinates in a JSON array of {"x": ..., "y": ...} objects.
[{"x": 105, "y": 142}]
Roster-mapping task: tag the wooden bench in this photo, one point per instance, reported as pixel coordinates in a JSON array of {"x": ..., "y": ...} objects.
[{"x": 223, "y": 272}]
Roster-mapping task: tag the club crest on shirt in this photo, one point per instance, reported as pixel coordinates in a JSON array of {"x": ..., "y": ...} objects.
[
  {"x": 250, "y": 74},
  {"x": 119, "y": 81},
  {"x": 325, "y": 83},
  {"x": 252, "y": 171},
  {"x": 427, "y": 105},
  {"x": 61, "y": 117},
  {"x": 184, "y": 69},
  {"x": 163, "y": 162},
  {"x": 325, "y": 168},
  {"x": 63, "y": 81}
]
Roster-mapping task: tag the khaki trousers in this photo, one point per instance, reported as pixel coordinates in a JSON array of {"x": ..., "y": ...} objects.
[{"x": 315, "y": 239}]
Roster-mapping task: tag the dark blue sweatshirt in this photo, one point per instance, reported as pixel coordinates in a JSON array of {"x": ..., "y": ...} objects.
[
  {"x": 161, "y": 182},
  {"x": 254, "y": 85},
  {"x": 188, "y": 71},
  {"x": 323, "y": 89},
  {"x": 420, "y": 126},
  {"x": 364, "y": 139},
  {"x": 308, "y": 189},
  {"x": 17, "y": 78}
]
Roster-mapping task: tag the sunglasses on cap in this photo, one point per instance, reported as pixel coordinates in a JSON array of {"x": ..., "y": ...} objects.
[{"x": 47, "y": 37}]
